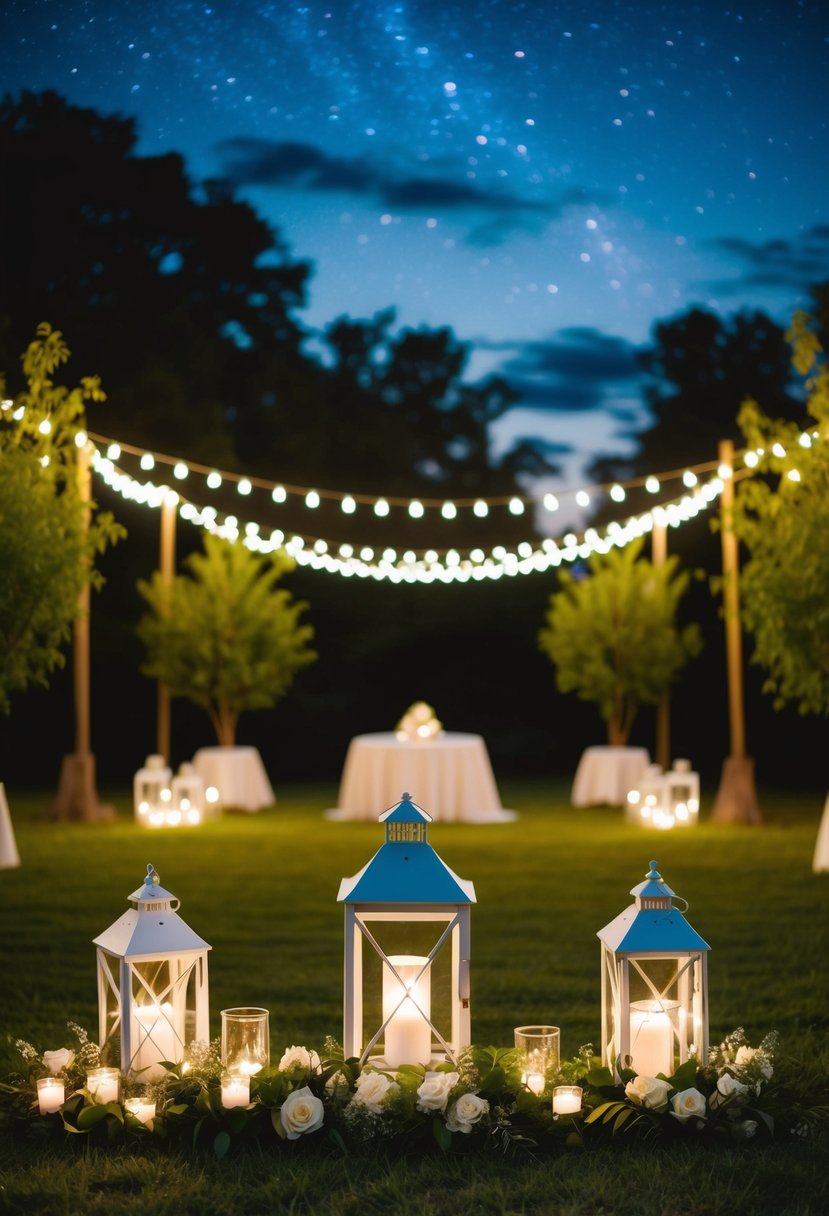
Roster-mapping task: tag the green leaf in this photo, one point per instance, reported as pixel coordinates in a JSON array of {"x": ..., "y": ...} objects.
[
  {"x": 442, "y": 1134},
  {"x": 221, "y": 1145},
  {"x": 91, "y": 1116}
]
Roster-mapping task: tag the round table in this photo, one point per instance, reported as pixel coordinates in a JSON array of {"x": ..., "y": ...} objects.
[
  {"x": 607, "y": 774},
  {"x": 238, "y": 774},
  {"x": 450, "y": 777}
]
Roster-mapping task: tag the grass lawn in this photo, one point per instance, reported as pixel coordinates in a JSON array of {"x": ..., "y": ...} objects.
[{"x": 262, "y": 890}]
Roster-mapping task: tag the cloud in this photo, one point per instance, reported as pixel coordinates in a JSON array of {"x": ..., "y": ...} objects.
[
  {"x": 577, "y": 369},
  {"x": 775, "y": 263},
  {"x": 288, "y": 165}
]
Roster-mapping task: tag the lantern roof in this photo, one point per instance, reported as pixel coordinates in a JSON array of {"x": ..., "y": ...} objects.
[
  {"x": 151, "y": 925},
  {"x": 406, "y": 869},
  {"x": 653, "y": 924}
]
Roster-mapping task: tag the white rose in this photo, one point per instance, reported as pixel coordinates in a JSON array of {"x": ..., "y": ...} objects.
[
  {"x": 434, "y": 1090},
  {"x": 301, "y": 1113},
  {"x": 753, "y": 1055},
  {"x": 648, "y": 1091},
  {"x": 373, "y": 1091},
  {"x": 687, "y": 1104},
  {"x": 468, "y": 1109},
  {"x": 56, "y": 1061},
  {"x": 728, "y": 1087},
  {"x": 300, "y": 1057}
]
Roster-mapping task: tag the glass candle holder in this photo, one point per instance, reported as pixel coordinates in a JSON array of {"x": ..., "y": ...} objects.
[
  {"x": 539, "y": 1047},
  {"x": 245, "y": 1041},
  {"x": 142, "y": 1108},
  {"x": 235, "y": 1090},
  {"x": 51, "y": 1094},
  {"x": 566, "y": 1099},
  {"x": 104, "y": 1084}
]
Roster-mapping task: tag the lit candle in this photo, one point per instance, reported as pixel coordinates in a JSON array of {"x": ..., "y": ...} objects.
[
  {"x": 566, "y": 1100},
  {"x": 235, "y": 1090},
  {"x": 408, "y": 1035},
  {"x": 143, "y": 1110},
  {"x": 534, "y": 1081},
  {"x": 651, "y": 1039},
  {"x": 154, "y": 1041},
  {"x": 247, "y": 1068},
  {"x": 103, "y": 1084},
  {"x": 51, "y": 1093}
]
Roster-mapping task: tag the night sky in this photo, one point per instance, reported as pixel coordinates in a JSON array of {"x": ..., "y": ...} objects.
[{"x": 548, "y": 179}]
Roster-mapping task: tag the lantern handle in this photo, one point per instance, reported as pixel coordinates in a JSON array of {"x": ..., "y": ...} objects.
[{"x": 678, "y": 899}]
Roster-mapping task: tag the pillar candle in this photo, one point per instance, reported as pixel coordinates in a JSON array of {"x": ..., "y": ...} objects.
[{"x": 651, "y": 1039}]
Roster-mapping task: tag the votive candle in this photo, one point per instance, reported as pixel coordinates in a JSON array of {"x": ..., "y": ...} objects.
[
  {"x": 143, "y": 1109},
  {"x": 235, "y": 1090},
  {"x": 104, "y": 1084},
  {"x": 566, "y": 1099},
  {"x": 51, "y": 1094}
]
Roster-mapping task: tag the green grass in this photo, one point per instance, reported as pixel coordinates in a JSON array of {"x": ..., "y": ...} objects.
[{"x": 262, "y": 890}]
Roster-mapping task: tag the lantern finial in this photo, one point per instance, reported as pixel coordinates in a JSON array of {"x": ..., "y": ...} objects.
[
  {"x": 405, "y": 797},
  {"x": 152, "y": 879},
  {"x": 653, "y": 873}
]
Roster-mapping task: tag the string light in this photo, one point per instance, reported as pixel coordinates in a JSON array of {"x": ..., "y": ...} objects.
[
  {"x": 180, "y": 470},
  {"x": 81, "y": 440},
  {"x": 312, "y": 500},
  {"x": 480, "y": 509},
  {"x": 147, "y": 462},
  {"x": 279, "y": 494},
  {"x": 214, "y": 480},
  {"x": 449, "y": 510},
  {"x": 348, "y": 506},
  {"x": 617, "y": 493},
  {"x": 245, "y": 486},
  {"x": 44, "y": 426},
  {"x": 652, "y": 485},
  {"x": 516, "y": 506},
  {"x": 583, "y": 498},
  {"x": 416, "y": 509},
  {"x": 550, "y": 502}
]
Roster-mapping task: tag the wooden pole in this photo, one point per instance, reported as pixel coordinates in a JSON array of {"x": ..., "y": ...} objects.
[
  {"x": 77, "y": 796},
  {"x": 166, "y": 566},
  {"x": 659, "y": 555},
  {"x": 736, "y": 799}
]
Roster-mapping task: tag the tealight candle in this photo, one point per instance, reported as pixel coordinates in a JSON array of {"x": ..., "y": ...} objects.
[
  {"x": 534, "y": 1081},
  {"x": 104, "y": 1084},
  {"x": 539, "y": 1048},
  {"x": 235, "y": 1090},
  {"x": 51, "y": 1094},
  {"x": 141, "y": 1108},
  {"x": 566, "y": 1099}
]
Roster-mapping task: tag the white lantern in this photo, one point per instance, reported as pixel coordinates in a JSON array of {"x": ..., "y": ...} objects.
[
  {"x": 151, "y": 792},
  {"x": 683, "y": 794},
  {"x": 407, "y": 1002},
  {"x": 152, "y": 983},
  {"x": 187, "y": 802},
  {"x": 648, "y": 805},
  {"x": 654, "y": 984}
]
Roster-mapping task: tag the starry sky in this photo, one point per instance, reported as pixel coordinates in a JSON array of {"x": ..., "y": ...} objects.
[{"x": 547, "y": 178}]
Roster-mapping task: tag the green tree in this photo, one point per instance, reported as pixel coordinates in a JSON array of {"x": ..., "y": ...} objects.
[
  {"x": 782, "y": 518},
  {"x": 48, "y": 535},
  {"x": 223, "y": 635},
  {"x": 613, "y": 634}
]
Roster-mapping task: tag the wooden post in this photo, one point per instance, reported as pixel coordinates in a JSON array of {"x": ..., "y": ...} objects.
[
  {"x": 736, "y": 799},
  {"x": 77, "y": 796},
  {"x": 659, "y": 554},
  {"x": 166, "y": 565}
]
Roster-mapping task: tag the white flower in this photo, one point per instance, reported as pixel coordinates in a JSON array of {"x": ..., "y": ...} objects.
[
  {"x": 753, "y": 1055},
  {"x": 434, "y": 1090},
  {"x": 301, "y": 1113},
  {"x": 648, "y": 1091},
  {"x": 687, "y": 1104},
  {"x": 749, "y": 1127},
  {"x": 468, "y": 1109},
  {"x": 729, "y": 1087},
  {"x": 300, "y": 1057},
  {"x": 373, "y": 1091},
  {"x": 56, "y": 1061}
]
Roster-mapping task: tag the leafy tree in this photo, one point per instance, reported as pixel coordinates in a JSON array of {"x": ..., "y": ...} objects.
[
  {"x": 613, "y": 634},
  {"x": 48, "y": 535},
  {"x": 783, "y": 520},
  {"x": 223, "y": 635}
]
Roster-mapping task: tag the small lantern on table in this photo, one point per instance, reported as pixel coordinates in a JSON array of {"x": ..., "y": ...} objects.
[
  {"x": 417, "y": 1000},
  {"x": 152, "y": 983},
  {"x": 152, "y": 796},
  {"x": 654, "y": 984}
]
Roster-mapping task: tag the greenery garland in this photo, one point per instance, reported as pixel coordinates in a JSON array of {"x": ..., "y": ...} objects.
[{"x": 478, "y": 1103}]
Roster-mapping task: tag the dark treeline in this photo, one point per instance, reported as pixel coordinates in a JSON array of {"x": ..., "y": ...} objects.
[{"x": 187, "y": 304}]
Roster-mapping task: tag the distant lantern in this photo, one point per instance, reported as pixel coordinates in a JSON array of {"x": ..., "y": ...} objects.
[
  {"x": 654, "y": 984},
  {"x": 683, "y": 793},
  {"x": 152, "y": 983},
  {"x": 413, "y": 990},
  {"x": 151, "y": 792},
  {"x": 187, "y": 803}
]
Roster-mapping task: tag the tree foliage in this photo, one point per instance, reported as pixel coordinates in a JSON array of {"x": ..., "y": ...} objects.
[
  {"x": 613, "y": 634},
  {"x": 223, "y": 634},
  {"x": 48, "y": 534},
  {"x": 782, "y": 518}
]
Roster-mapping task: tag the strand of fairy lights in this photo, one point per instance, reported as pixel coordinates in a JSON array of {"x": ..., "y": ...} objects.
[
  {"x": 382, "y": 505},
  {"x": 433, "y": 565}
]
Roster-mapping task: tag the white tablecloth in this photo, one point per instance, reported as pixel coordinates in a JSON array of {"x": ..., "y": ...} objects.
[
  {"x": 238, "y": 774},
  {"x": 450, "y": 777},
  {"x": 606, "y": 774},
  {"x": 820, "y": 861}
]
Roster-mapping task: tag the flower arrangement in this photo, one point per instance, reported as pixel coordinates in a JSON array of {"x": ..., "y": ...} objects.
[
  {"x": 419, "y": 722},
  {"x": 478, "y": 1102}
]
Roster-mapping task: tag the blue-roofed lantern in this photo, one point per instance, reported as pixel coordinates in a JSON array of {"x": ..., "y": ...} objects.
[
  {"x": 654, "y": 984},
  {"x": 407, "y": 1000},
  {"x": 152, "y": 983}
]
